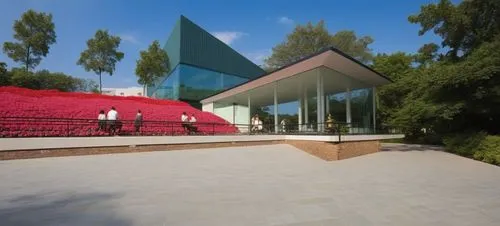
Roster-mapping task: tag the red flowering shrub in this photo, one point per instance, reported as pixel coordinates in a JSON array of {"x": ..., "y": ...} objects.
[{"x": 26, "y": 113}]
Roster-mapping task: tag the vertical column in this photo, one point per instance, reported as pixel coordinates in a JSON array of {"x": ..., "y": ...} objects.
[
  {"x": 319, "y": 96},
  {"x": 327, "y": 100},
  {"x": 348, "y": 105},
  {"x": 275, "y": 107},
  {"x": 306, "y": 109},
  {"x": 301, "y": 100},
  {"x": 374, "y": 92},
  {"x": 322, "y": 102},
  {"x": 249, "y": 114}
]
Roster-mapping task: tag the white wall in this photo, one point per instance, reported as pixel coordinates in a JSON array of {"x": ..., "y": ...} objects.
[
  {"x": 241, "y": 114},
  {"x": 208, "y": 107},
  {"x": 130, "y": 91}
]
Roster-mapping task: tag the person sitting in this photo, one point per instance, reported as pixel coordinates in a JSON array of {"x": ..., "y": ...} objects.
[
  {"x": 185, "y": 122},
  {"x": 259, "y": 125},
  {"x": 101, "y": 121},
  {"x": 330, "y": 127},
  {"x": 192, "y": 127}
]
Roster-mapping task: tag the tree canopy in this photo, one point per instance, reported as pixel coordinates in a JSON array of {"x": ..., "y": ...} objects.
[
  {"x": 309, "y": 39},
  {"x": 463, "y": 27},
  {"x": 153, "y": 64},
  {"x": 101, "y": 54},
  {"x": 45, "y": 79},
  {"x": 434, "y": 96},
  {"x": 34, "y": 32}
]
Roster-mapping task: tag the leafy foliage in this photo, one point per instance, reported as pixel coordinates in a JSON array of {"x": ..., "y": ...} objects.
[
  {"x": 46, "y": 80},
  {"x": 152, "y": 65},
  {"x": 447, "y": 96},
  {"x": 309, "y": 39},
  {"x": 35, "y": 33},
  {"x": 4, "y": 74},
  {"x": 479, "y": 146},
  {"x": 463, "y": 27},
  {"x": 101, "y": 54},
  {"x": 489, "y": 150}
]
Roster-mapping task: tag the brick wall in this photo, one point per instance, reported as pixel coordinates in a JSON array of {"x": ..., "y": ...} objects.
[
  {"x": 332, "y": 151},
  {"x": 357, "y": 148}
]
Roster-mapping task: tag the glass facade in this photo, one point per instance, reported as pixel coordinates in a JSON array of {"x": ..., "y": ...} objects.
[
  {"x": 361, "y": 107},
  {"x": 190, "y": 83}
]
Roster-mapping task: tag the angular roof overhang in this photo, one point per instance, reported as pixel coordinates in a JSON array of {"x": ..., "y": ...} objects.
[{"x": 330, "y": 58}]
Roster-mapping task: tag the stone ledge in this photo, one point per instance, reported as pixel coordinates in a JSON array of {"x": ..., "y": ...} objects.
[
  {"x": 325, "y": 150},
  {"x": 28, "y": 154}
]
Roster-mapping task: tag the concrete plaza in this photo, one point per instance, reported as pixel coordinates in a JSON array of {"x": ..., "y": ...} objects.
[{"x": 256, "y": 185}]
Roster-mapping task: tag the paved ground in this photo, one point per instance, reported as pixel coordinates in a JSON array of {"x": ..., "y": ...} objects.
[{"x": 260, "y": 185}]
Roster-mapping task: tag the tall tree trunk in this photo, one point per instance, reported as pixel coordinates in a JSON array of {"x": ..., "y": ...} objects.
[
  {"x": 100, "y": 82},
  {"x": 27, "y": 58},
  {"x": 144, "y": 90}
]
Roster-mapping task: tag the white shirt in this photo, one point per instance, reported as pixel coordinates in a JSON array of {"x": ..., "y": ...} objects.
[
  {"x": 184, "y": 118},
  {"x": 192, "y": 119},
  {"x": 101, "y": 117},
  {"x": 112, "y": 115}
]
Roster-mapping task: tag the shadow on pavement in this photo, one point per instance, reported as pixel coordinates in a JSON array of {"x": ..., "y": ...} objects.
[
  {"x": 68, "y": 209},
  {"x": 410, "y": 147}
]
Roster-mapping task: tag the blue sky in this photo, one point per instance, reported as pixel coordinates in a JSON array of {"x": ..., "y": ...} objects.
[{"x": 250, "y": 27}]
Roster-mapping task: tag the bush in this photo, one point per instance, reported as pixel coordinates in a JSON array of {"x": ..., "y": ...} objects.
[
  {"x": 479, "y": 146},
  {"x": 489, "y": 150},
  {"x": 464, "y": 144}
]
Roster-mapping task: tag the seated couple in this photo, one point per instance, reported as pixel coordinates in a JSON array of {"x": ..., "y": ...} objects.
[{"x": 188, "y": 123}]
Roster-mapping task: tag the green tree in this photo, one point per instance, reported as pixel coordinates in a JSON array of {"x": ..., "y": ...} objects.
[
  {"x": 309, "y": 39},
  {"x": 4, "y": 75},
  {"x": 101, "y": 54},
  {"x": 447, "y": 97},
  {"x": 153, "y": 64},
  {"x": 44, "y": 79},
  {"x": 398, "y": 67},
  {"x": 85, "y": 85},
  {"x": 427, "y": 54},
  {"x": 463, "y": 27},
  {"x": 34, "y": 32}
]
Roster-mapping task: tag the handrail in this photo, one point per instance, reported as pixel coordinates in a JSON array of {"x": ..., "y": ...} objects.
[{"x": 44, "y": 126}]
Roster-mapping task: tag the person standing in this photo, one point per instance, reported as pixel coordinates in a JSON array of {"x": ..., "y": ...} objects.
[
  {"x": 101, "y": 121},
  {"x": 255, "y": 123},
  {"x": 185, "y": 121},
  {"x": 112, "y": 117},
  {"x": 138, "y": 122},
  {"x": 283, "y": 125}
]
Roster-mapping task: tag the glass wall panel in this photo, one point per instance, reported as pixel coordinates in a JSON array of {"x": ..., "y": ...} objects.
[
  {"x": 337, "y": 107},
  {"x": 197, "y": 83},
  {"x": 362, "y": 107},
  {"x": 190, "y": 83},
  {"x": 169, "y": 88}
]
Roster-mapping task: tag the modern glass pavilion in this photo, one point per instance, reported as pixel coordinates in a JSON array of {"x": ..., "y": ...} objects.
[
  {"x": 201, "y": 64},
  {"x": 330, "y": 80}
]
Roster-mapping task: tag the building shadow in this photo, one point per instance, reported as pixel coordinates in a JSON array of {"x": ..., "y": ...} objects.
[
  {"x": 68, "y": 209},
  {"x": 410, "y": 147}
]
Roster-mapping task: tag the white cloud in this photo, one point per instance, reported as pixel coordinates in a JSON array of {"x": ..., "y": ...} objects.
[
  {"x": 228, "y": 37},
  {"x": 285, "y": 20},
  {"x": 129, "y": 38},
  {"x": 258, "y": 56}
]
